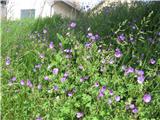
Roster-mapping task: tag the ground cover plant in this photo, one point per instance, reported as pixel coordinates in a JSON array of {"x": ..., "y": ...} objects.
[{"x": 102, "y": 67}]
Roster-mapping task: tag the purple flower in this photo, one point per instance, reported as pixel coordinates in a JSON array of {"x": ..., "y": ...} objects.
[
  {"x": 88, "y": 45},
  {"x": 65, "y": 75},
  {"x": 81, "y": 79},
  {"x": 140, "y": 79},
  {"x": 8, "y": 61},
  {"x": 22, "y": 82},
  {"x": 135, "y": 110},
  {"x": 39, "y": 118},
  {"x": 132, "y": 106},
  {"x": 121, "y": 38},
  {"x": 29, "y": 84},
  {"x": 39, "y": 86},
  {"x": 111, "y": 92},
  {"x": 55, "y": 88},
  {"x": 101, "y": 94},
  {"x": 70, "y": 94},
  {"x": 96, "y": 84},
  {"x": 118, "y": 53},
  {"x": 89, "y": 35},
  {"x": 147, "y": 98},
  {"x": 13, "y": 79},
  {"x": 55, "y": 71},
  {"x": 73, "y": 25},
  {"x": 103, "y": 88},
  {"x": 93, "y": 38},
  {"x": 79, "y": 114},
  {"x": 152, "y": 61},
  {"x": 97, "y": 37},
  {"x": 129, "y": 70},
  {"x": 63, "y": 79},
  {"x": 139, "y": 72},
  {"x": 117, "y": 98},
  {"x": 51, "y": 45},
  {"x": 68, "y": 51},
  {"x": 46, "y": 78}
]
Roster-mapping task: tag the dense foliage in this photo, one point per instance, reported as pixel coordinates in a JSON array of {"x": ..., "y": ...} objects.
[{"x": 101, "y": 67}]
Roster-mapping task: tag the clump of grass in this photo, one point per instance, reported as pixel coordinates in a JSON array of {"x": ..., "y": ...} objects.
[{"x": 100, "y": 67}]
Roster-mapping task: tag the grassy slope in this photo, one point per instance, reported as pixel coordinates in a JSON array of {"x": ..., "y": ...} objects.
[{"x": 21, "y": 103}]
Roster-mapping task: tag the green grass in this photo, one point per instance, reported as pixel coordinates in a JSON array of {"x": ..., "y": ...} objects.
[{"x": 23, "y": 42}]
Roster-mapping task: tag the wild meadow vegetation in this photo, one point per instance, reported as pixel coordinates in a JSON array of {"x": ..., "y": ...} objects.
[{"x": 104, "y": 66}]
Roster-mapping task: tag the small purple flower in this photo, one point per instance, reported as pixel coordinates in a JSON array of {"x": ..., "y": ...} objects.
[
  {"x": 51, "y": 45},
  {"x": 97, "y": 37},
  {"x": 70, "y": 94},
  {"x": 73, "y": 25},
  {"x": 93, "y": 38},
  {"x": 140, "y": 79},
  {"x": 79, "y": 114},
  {"x": 96, "y": 84},
  {"x": 65, "y": 75},
  {"x": 147, "y": 98},
  {"x": 46, "y": 78},
  {"x": 129, "y": 70},
  {"x": 29, "y": 84},
  {"x": 89, "y": 35},
  {"x": 101, "y": 94},
  {"x": 131, "y": 106},
  {"x": 39, "y": 86},
  {"x": 8, "y": 61},
  {"x": 68, "y": 51},
  {"x": 22, "y": 82},
  {"x": 135, "y": 110},
  {"x": 103, "y": 88},
  {"x": 139, "y": 72},
  {"x": 152, "y": 61},
  {"x": 39, "y": 118},
  {"x": 121, "y": 38},
  {"x": 13, "y": 79},
  {"x": 117, "y": 98},
  {"x": 88, "y": 45},
  {"x": 82, "y": 79},
  {"x": 111, "y": 92},
  {"x": 63, "y": 79},
  {"x": 55, "y": 71},
  {"x": 55, "y": 88},
  {"x": 118, "y": 53}
]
